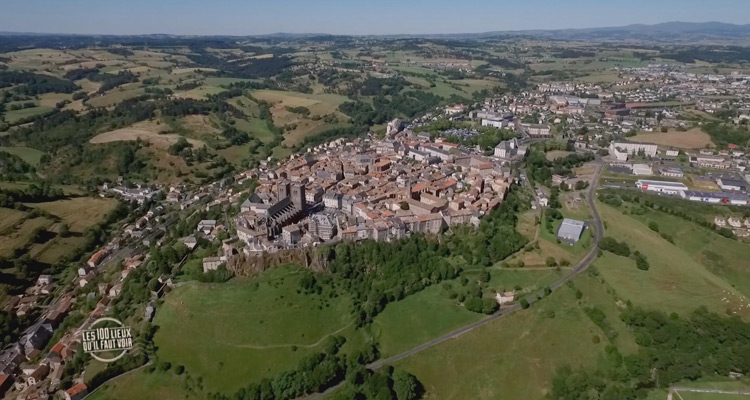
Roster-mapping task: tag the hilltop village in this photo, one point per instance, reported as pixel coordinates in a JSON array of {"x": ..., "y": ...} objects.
[{"x": 370, "y": 189}]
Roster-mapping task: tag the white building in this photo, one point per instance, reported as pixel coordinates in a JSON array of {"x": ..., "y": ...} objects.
[
  {"x": 642, "y": 170},
  {"x": 495, "y": 123},
  {"x": 634, "y": 148},
  {"x": 661, "y": 186}
]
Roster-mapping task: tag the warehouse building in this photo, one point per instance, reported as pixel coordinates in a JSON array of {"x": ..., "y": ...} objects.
[
  {"x": 570, "y": 230},
  {"x": 661, "y": 186}
]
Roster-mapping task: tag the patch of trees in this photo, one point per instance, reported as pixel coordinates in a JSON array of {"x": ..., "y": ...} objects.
[
  {"x": 715, "y": 54},
  {"x": 622, "y": 249},
  {"x": 597, "y": 316},
  {"x": 182, "y": 107},
  {"x": 611, "y": 245},
  {"x": 189, "y": 85},
  {"x": 724, "y": 135},
  {"x": 335, "y": 133},
  {"x": 235, "y": 136},
  {"x": 541, "y": 170},
  {"x": 128, "y": 161},
  {"x": 111, "y": 81},
  {"x": 672, "y": 350},
  {"x": 298, "y": 110},
  {"x": 377, "y": 86},
  {"x": 13, "y": 167},
  {"x": 65, "y": 128},
  {"x": 120, "y": 51},
  {"x": 250, "y": 68},
  {"x": 108, "y": 81},
  {"x": 572, "y": 53},
  {"x": 504, "y": 63},
  {"x": 487, "y": 138},
  {"x": 11, "y": 325},
  {"x": 376, "y": 273},
  {"x": 33, "y": 193},
  {"x": 31, "y": 84}
]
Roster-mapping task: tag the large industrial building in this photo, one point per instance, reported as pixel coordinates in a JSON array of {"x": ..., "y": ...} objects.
[{"x": 661, "y": 186}]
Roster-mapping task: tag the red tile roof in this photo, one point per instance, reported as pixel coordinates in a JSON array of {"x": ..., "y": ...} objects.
[{"x": 77, "y": 388}]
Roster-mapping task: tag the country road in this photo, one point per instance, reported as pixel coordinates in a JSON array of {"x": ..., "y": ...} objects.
[{"x": 582, "y": 266}]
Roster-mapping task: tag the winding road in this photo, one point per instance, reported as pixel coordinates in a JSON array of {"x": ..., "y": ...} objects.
[{"x": 582, "y": 266}]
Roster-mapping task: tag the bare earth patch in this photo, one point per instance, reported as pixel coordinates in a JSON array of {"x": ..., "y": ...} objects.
[
  {"x": 692, "y": 139},
  {"x": 154, "y": 134}
]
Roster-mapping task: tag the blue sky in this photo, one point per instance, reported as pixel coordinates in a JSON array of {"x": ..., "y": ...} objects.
[{"x": 244, "y": 17}]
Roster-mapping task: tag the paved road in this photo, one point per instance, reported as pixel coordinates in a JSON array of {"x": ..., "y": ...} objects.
[
  {"x": 584, "y": 264},
  {"x": 580, "y": 267}
]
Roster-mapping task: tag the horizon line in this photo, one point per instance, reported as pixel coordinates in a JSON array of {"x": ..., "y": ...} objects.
[{"x": 41, "y": 33}]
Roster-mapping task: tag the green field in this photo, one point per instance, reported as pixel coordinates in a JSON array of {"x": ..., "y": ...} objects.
[
  {"x": 247, "y": 329},
  {"x": 516, "y": 356},
  {"x": 79, "y": 213},
  {"x": 143, "y": 385},
  {"x": 419, "y": 318},
  {"x": 676, "y": 282},
  {"x": 12, "y": 239},
  {"x": 13, "y": 116},
  {"x": 115, "y": 96},
  {"x": 722, "y": 256},
  {"x": 10, "y": 217},
  {"x": 27, "y": 154}
]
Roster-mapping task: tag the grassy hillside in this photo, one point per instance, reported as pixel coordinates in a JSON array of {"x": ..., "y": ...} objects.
[
  {"x": 247, "y": 329},
  {"x": 514, "y": 357}
]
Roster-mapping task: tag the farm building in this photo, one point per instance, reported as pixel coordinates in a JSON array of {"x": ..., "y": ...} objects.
[
  {"x": 661, "y": 186},
  {"x": 570, "y": 230}
]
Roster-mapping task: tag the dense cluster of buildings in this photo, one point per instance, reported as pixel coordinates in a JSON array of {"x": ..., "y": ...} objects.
[{"x": 371, "y": 189}]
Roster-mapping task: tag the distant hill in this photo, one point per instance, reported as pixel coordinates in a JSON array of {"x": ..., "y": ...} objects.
[{"x": 666, "y": 31}]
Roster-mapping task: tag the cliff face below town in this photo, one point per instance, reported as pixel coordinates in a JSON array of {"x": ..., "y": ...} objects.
[{"x": 244, "y": 265}]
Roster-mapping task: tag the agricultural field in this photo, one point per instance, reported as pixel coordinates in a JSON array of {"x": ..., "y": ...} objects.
[
  {"x": 27, "y": 154},
  {"x": 79, "y": 213},
  {"x": 20, "y": 234},
  {"x": 691, "y": 139},
  {"x": 161, "y": 140},
  {"x": 318, "y": 104},
  {"x": 13, "y": 116},
  {"x": 9, "y": 217}
]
